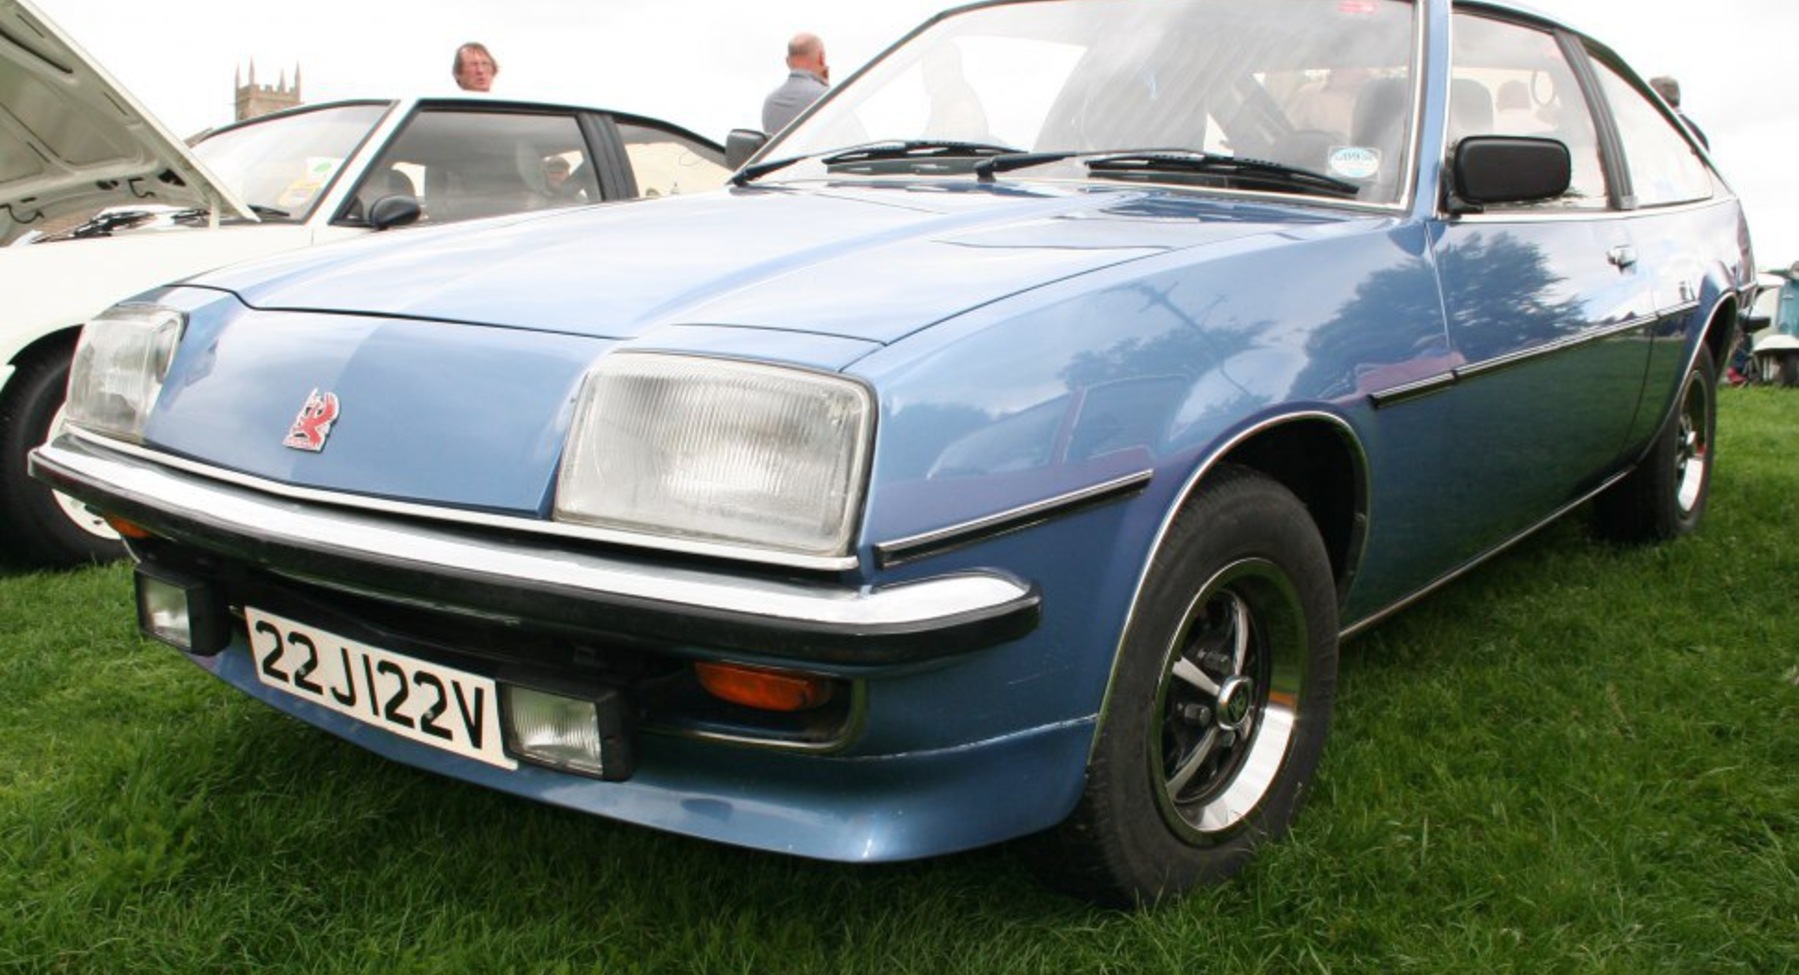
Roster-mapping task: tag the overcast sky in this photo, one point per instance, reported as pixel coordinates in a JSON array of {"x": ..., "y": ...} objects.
[{"x": 706, "y": 64}]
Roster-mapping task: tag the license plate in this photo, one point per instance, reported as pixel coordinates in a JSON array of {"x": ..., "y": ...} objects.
[{"x": 427, "y": 702}]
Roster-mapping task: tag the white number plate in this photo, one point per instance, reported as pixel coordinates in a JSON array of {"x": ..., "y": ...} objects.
[{"x": 426, "y": 702}]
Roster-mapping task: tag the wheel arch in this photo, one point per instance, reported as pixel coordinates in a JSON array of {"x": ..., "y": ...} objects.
[
  {"x": 1317, "y": 456},
  {"x": 1153, "y": 818},
  {"x": 1720, "y": 330},
  {"x": 1319, "y": 459},
  {"x": 46, "y": 344}
]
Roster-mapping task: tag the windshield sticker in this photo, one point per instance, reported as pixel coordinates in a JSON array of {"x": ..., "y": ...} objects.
[
  {"x": 301, "y": 191},
  {"x": 1354, "y": 162}
]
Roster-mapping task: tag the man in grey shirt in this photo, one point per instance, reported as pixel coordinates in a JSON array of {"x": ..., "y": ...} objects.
[{"x": 807, "y": 78}]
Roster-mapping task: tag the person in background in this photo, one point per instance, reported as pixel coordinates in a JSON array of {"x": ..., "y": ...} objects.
[
  {"x": 1669, "y": 89},
  {"x": 807, "y": 78},
  {"x": 475, "y": 68},
  {"x": 555, "y": 173}
]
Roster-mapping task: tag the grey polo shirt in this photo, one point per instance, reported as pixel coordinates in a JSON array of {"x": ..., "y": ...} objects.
[{"x": 801, "y": 89}]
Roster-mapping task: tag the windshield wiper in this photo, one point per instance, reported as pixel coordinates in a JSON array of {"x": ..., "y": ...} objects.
[
  {"x": 1242, "y": 173},
  {"x": 883, "y": 151},
  {"x": 103, "y": 224},
  {"x": 1006, "y": 162},
  {"x": 748, "y": 174},
  {"x": 920, "y": 149}
]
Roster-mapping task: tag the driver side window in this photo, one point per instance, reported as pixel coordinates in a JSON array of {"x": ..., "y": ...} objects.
[
  {"x": 1514, "y": 80},
  {"x": 467, "y": 164}
]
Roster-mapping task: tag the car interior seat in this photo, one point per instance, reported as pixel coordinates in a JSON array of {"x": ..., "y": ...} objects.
[
  {"x": 1470, "y": 109},
  {"x": 400, "y": 184},
  {"x": 1381, "y": 111}
]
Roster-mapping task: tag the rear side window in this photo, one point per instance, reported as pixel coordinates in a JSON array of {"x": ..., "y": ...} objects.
[
  {"x": 1663, "y": 165},
  {"x": 667, "y": 163}
]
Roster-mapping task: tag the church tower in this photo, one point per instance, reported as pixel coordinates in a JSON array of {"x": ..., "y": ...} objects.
[{"x": 254, "y": 99}]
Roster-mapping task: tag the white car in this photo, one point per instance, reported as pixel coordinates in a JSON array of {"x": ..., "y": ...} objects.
[
  {"x": 1773, "y": 329},
  {"x": 100, "y": 202}
]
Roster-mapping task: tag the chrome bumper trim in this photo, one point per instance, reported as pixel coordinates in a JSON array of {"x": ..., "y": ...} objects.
[
  {"x": 726, "y": 551},
  {"x": 459, "y": 570}
]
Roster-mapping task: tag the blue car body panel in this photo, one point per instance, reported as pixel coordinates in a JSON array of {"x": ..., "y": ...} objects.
[
  {"x": 1113, "y": 279},
  {"x": 1057, "y": 365},
  {"x": 812, "y": 251}
]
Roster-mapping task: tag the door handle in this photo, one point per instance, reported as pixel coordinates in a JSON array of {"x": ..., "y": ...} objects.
[{"x": 1622, "y": 256}]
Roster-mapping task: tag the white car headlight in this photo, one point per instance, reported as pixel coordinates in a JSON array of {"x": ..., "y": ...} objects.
[
  {"x": 120, "y": 364},
  {"x": 720, "y": 450}
]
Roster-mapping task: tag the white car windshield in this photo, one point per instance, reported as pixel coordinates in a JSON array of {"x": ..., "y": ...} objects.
[
  {"x": 1323, "y": 87},
  {"x": 284, "y": 163}
]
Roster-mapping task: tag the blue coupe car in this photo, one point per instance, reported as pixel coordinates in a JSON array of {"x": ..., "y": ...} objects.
[{"x": 1004, "y": 453}]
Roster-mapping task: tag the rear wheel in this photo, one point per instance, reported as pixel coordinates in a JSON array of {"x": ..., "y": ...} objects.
[
  {"x": 1222, "y": 696},
  {"x": 42, "y": 527},
  {"x": 1665, "y": 496},
  {"x": 1789, "y": 369}
]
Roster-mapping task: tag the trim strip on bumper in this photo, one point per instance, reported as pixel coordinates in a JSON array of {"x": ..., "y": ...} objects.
[{"x": 464, "y": 571}]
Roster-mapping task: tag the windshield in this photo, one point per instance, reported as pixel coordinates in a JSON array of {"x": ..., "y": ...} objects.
[
  {"x": 284, "y": 163},
  {"x": 1319, "y": 85}
]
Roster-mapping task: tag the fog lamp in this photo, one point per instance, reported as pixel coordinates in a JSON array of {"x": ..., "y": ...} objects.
[
  {"x": 763, "y": 688},
  {"x": 183, "y": 612},
  {"x": 585, "y": 735}
]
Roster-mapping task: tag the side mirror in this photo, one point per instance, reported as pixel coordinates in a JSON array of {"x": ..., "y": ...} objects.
[
  {"x": 1508, "y": 169},
  {"x": 394, "y": 211},
  {"x": 741, "y": 144}
]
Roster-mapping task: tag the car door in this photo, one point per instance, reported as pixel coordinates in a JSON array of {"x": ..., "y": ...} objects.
[
  {"x": 1679, "y": 222},
  {"x": 467, "y": 161},
  {"x": 1547, "y": 303}
]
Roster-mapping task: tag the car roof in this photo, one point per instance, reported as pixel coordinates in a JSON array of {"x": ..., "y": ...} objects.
[{"x": 405, "y": 104}]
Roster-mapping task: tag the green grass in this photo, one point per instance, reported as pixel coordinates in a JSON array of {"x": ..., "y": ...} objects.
[{"x": 1578, "y": 759}]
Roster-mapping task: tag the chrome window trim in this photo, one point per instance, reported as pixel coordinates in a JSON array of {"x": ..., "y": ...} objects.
[
  {"x": 1496, "y": 213},
  {"x": 481, "y": 519}
]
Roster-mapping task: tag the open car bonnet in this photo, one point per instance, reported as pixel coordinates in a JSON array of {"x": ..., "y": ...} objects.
[{"x": 73, "y": 141}]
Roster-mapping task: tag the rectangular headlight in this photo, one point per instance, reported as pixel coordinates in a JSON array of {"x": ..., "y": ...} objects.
[
  {"x": 120, "y": 364},
  {"x": 717, "y": 449}
]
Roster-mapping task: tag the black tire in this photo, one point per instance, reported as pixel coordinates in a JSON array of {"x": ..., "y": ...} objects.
[
  {"x": 1664, "y": 497},
  {"x": 1219, "y": 704},
  {"x": 1789, "y": 369},
  {"x": 40, "y": 528}
]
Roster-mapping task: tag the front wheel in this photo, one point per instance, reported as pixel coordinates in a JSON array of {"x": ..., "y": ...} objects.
[
  {"x": 1789, "y": 369},
  {"x": 1664, "y": 497},
  {"x": 40, "y": 526},
  {"x": 1221, "y": 698}
]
